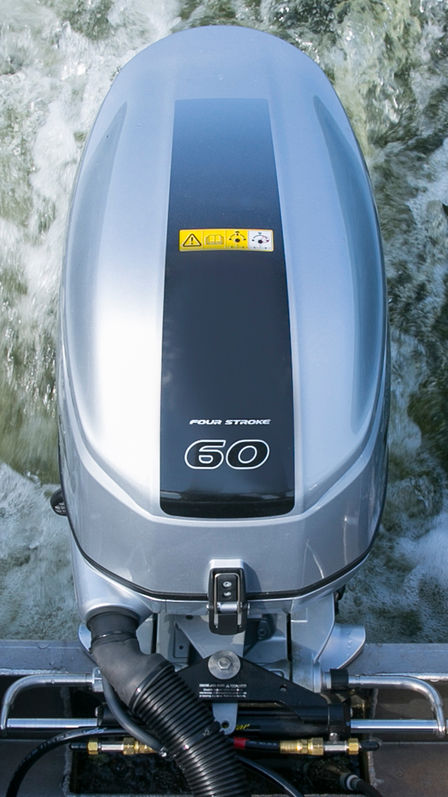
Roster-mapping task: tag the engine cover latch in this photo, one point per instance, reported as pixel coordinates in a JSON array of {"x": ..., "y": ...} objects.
[{"x": 227, "y": 601}]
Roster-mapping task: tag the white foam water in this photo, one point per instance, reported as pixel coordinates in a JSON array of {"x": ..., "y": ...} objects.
[
  {"x": 35, "y": 569},
  {"x": 389, "y": 65}
]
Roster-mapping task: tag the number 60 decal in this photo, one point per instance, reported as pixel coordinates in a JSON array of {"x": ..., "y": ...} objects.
[{"x": 244, "y": 454}]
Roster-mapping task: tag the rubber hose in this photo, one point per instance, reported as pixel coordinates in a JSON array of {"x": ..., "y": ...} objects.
[
  {"x": 50, "y": 744},
  {"x": 154, "y": 692},
  {"x": 355, "y": 784},
  {"x": 273, "y": 776},
  {"x": 125, "y": 719},
  {"x": 189, "y": 734}
]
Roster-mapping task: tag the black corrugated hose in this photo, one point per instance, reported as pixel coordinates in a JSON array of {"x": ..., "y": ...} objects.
[{"x": 154, "y": 692}]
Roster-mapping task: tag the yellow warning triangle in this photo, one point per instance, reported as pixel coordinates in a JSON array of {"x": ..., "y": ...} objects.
[{"x": 191, "y": 240}]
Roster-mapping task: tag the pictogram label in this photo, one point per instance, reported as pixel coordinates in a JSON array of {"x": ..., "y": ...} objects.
[
  {"x": 226, "y": 239},
  {"x": 191, "y": 241}
]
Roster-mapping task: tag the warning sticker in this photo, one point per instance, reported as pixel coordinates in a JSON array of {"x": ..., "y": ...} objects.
[
  {"x": 226, "y": 239},
  {"x": 191, "y": 241}
]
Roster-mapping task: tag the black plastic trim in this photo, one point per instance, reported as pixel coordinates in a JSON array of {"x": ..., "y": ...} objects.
[
  {"x": 238, "y": 506},
  {"x": 226, "y": 350}
]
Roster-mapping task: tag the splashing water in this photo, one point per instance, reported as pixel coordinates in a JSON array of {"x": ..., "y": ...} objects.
[{"x": 389, "y": 64}]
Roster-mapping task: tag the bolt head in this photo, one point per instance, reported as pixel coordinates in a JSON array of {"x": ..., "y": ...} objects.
[{"x": 224, "y": 664}]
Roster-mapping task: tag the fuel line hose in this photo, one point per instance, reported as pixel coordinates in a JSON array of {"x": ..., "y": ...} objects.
[{"x": 149, "y": 686}]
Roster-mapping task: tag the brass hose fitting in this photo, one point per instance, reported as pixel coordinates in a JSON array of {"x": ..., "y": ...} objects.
[
  {"x": 318, "y": 747},
  {"x": 128, "y": 746}
]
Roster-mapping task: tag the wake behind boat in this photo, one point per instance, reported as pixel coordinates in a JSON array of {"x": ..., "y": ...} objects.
[{"x": 223, "y": 385}]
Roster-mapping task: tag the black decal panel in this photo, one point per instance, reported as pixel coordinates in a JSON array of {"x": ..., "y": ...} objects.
[{"x": 226, "y": 338}]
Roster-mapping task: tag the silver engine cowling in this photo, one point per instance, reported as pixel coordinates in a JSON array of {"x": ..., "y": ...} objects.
[{"x": 223, "y": 359}]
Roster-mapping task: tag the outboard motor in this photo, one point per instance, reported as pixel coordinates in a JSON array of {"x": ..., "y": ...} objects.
[{"x": 222, "y": 387}]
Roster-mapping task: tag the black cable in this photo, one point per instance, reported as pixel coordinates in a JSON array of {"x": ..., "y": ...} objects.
[
  {"x": 274, "y": 776},
  {"x": 366, "y": 788},
  {"x": 121, "y": 715},
  {"x": 355, "y": 784},
  {"x": 125, "y": 719},
  {"x": 50, "y": 744}
]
